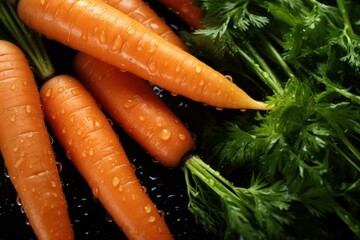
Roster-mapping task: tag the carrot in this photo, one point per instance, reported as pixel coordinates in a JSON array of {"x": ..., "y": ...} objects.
[
  {"x": 93, "y": 147},
  {"x": 187, "y": 11},
  {"x": 143, "y": 13},
  {"x": 131, "y": 102},
  {"x": 26, "y": 148},
  {"x": 95, "y": 28}
]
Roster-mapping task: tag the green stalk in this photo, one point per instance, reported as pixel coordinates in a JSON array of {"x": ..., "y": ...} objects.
[
  {"x": 347, "y": 23},
  {"x": 29, "y": 41},
  {"x": 267, "y": 75}
]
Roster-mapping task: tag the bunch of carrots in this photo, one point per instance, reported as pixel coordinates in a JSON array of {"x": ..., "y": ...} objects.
[{"x": 122, "y": 45}]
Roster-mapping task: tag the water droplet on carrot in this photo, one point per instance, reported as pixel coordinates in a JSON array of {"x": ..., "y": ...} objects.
[
  {"x": 151, "y": 219},
  {"x": 177, "y": 68},
  {"x": 42, "y": 2},
  {"x": 143, "y": 188},
  {"x": 141, "y": 118},
  {"x": 28, "y": 109},
  {"x": 201, "y": 82},
  {"x": 102, "y": 36},
  {"x": 153, "y": 47},
  {"x": 84, "y": 154},
  {"x": 13, "y": 86},
  {"x": 60, "y": 89},
  {"x": 120, "y": 188},
  {"x": 74, "y": 92},
  {"x": 48, "y": 92},
  {"x": 152, "y": 67},
  {"x": 130, "y": 29},
  {"x": 79, "y": 132},
  {"x": 53, "y": 184},
  {"x": 182, "y": 136},
  {"x": 68, "y": 154},
  {"x": 13, "y": 118},
  {"x": 91, "y": 152},
  {"x": 229, "y": 77},
  {"x": 16, "y": 148},
  {"x": 30, "y": 135},
  {"x": 63, "y": 130},
  {"x": 165, "y": 134},
  {"x": 147, "y": 209},
  {"x": 18, "y": 201},
  {"x": 115, "y": 181},
  {"x": 25, "y": 83},
  {"x": 161, "y": 213},
  {"x": 198, "y": 69},
  {"x": 59, "y": 166},
  {"x": 219, "y": 108}
]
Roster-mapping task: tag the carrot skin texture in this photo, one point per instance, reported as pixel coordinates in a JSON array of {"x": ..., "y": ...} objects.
[
  {"x": 95, "y": 28},
  {"x": 131, "y": 103},
  {"x": 143, "y": 13},
  {"x": 26, "y": 148},
  {"x": 187, "y": 11},
  {"x": 93, "y": 147}
]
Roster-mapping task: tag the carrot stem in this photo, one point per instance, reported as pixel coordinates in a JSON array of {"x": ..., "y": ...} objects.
[{"x": 29, "y": 41}]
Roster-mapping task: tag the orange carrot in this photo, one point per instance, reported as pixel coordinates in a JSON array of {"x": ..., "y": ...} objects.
[
  {"x": 143, "y": 13},
  {"x": 131, "y": 103},
  {"x": 95, "y": 28},
  {"x": 93, "y": 147},
  {"x": 26, "y": 148},
  {"x": 187, "y": 11}
]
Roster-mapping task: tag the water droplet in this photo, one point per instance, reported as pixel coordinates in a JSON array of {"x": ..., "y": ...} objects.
[
  {"x": 151, "y": 219},
  {"x": 60, "y": 89},
  {"x": 68, "y": 154},
  {"x": 13, "y": 86},
  {"x": 152, "y": 66},
  {"x": 154, "y": 46},
  {"x": 198, "y": 69},
  {"x": 177, "y": 68},
  {"x": 74, "y": 92},
  {"x": 79, "y": 132},
  {"x": 48, "y": 92},
  {"x": 142, "y": 118},
  {"x": 143, "y": 188},
  {"x": 84, "y": 154},
  {"x": 165, "y": 134},
  {"x": 18, "y": 201},
  {"x": 229, "y": 77},
  {"x": 28, "y": 109},
  {"x": 63, "y": 130},
  {"x": 59, "y": 166},
  {"x": 91, "y": 152},
  {"x": 13, "y": 118},
  {"x": 147, "y": 209},
  {"x": 182, "y": 136},
  {"x": 162, "y": 213},
  {"x": 115, "y": 181},
  {"x": 102, "y": 36},
  {"x": 219, "y": 108},
  {"x": 120, "y": 188},
  {"x": 53, "y": 184},
  {"x": 130, "y": 29},
  {"x": 6, "y": 172},
  {"x": 201, "y": 82}
]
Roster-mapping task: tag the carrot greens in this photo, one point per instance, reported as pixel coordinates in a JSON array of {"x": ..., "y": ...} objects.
[{"x": 302, "y": 155}]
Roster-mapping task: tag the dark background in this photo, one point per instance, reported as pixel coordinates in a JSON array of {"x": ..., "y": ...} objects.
[{"x": 166, "y": 187}]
